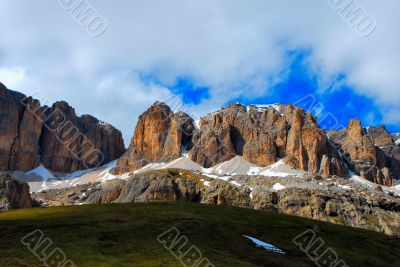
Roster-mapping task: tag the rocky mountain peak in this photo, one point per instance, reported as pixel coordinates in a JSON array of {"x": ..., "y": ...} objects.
[
  {"x": 2, "y": 87},
  {"x": 370, "y": 152},
  {"x": 160, "y": 134},
  {"x": 158, "y": 105},
  {"x": 355, "y": 128},
  {"x": 89, "y": 119},
  {"x": 53, "y": 136},
  {"x": 382, "y": 137}
]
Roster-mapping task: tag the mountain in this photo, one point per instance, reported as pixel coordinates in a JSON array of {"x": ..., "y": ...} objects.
[
  {"x": 60, "y": 141},
  {"x": 271, "y": 157},
  {"x": 160, "y": 135},
  {"x": 369, "y": 152},
  {"x": 264, "y": 135},
  {"x": 55, "y": 136},
  {"x": 261, "y": 135}
]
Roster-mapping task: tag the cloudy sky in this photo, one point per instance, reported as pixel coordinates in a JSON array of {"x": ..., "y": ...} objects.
[{"x": 206, "y": 54}]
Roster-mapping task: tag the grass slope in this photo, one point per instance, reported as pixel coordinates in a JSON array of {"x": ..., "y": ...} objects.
[{"x": 126, "y": 235}]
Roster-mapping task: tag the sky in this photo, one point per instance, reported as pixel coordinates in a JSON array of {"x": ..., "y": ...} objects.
[{"x": 202, "y": 55}]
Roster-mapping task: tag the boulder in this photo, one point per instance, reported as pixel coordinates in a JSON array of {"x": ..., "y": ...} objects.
[{"x": 13, "y": 194}]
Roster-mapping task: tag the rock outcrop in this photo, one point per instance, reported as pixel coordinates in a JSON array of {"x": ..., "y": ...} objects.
[
  {"x": 55, "y": 136},
  {"x": 361, "y": 211},
  {"x": 370, "y": 153},
  {"x": 160, "y": 135},
  {"x": 13, "y": 194},
  {"x": 261, "y": 135}
]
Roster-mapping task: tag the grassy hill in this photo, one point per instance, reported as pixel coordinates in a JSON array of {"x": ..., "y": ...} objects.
[{"x": 126, "y": 235}]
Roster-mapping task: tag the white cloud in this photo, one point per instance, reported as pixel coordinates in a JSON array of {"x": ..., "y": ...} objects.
[
  {"x": 13, "y": 77},
  {"x": 231, "y": 46}
]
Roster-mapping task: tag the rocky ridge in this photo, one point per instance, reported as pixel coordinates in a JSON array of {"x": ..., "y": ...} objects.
[
  {"x": 369, "y": 152},
  {"x": 332, "y": 200},
  {"x": 55, "y": 136},
  {"x": 261, "y": 135}
]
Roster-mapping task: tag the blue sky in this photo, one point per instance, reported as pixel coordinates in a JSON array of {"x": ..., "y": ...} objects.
[
  {"x": 206, "y": 54},
  {"x": 334, "y": 105},
  {"x": 191, "y": 94}
]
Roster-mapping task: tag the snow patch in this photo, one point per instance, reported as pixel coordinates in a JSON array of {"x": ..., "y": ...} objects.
[
  {"x": 279, "y": 169},
  {"x": 345, "y": 187},
  {"x": 235, "y": 183},
  {"x": 105, "y": 175},
  {"x": 278, "y": 187},
  {"x": 197, "y": 124},
  {"x": 235, "y": 166},
  {"x": 263, "y": 107},
  {"x": 184, "y": 151},
  {"x": 42, "y": 172},
  {"x": 251, "y": 193},
  {"x": 264, "y": 245},
  {"x": 76, "y": 174},
  {"x": 357, "y": 179},
  {"x": 183, "y": 163}
]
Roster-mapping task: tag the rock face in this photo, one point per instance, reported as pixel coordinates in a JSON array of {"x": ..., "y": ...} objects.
[
  {"x": 20, "y": 131},
  {"x": 370, "y": 153},
  {"x": 264, "y": 135},
  {"x": 79, "y": 143},
  {"x": 261, "y": 135},
  {"x": 13, "y": 194},
  {"x": 55, "y": 137},
  {"x": 160, "y": 134}
]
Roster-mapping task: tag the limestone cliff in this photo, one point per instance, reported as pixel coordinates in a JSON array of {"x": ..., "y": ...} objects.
[{"x": 31, "y": 134}]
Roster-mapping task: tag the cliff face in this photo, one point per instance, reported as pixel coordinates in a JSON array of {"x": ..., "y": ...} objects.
[
  {"x": 370, "y": 153},
  {"x": 264, "y": 135},
  {"x": 260, "y": 135},
  {"x": 55, "y": 137},
  {"x": 20, "y": 131},
  {"x": 71, "y": 143}
]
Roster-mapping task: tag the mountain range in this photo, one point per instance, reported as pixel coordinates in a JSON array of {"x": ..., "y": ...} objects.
[
  {"x": 34, "y": 135},
  {"x": 263, "y": 136},
  {"x": 273, "y": 157}
]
